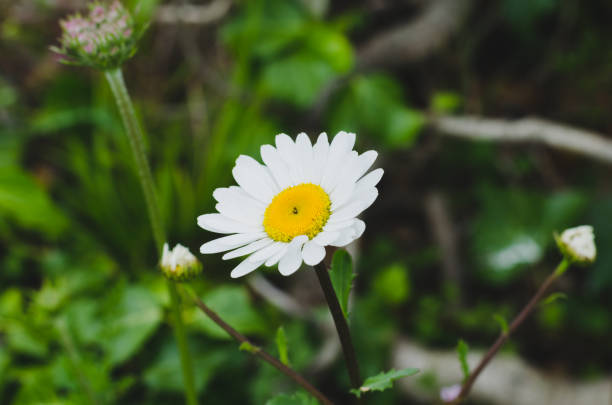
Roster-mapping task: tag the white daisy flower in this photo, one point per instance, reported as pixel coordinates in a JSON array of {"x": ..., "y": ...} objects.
[{"x": 285, "y": 211}]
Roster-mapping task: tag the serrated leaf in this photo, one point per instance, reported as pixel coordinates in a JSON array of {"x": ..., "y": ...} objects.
[
  {"x": 341, "y": 274},
  {"x": 503, "y": 324},
  {"x": 299, "y": 398},
  {"x": 282, "y": 346},
  {"x": 553, "y": 297},
  {"x": 383, "y": 381},
  {"x": 462, "y": 351}
]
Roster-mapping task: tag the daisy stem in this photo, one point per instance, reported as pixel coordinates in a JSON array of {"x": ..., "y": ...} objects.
[
  {"x": 257, "y": 351},
  {"x": 505, "y": 335},
  {"x": 136, "y": 141},
  {"x": 341, "y": 325}
]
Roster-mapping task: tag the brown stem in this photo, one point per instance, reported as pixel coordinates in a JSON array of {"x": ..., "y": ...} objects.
[
  {"x": 289, "y": 372},
  {"x": 341, "y": 325},
  {"x": 469, "y": 382}
]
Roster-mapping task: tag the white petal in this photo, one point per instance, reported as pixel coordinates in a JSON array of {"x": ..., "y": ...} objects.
[
  {"x": 339, "y": 150},
  {"x": 278, "y": 168},
  {"x": 237, "y": 194},
  {"x": 304, "y": 149},
  {"x": 267, "y": 252},
  {"x": 230, "y": 242},
  {"x": 354, "y": 208},
  {"x": 292, "y": 259},
  {"x": 246, "y": 213},
  {"x": 245, "y": 267},
  {"x": 250, "y": 248},
  {"x": 350, "y": 234},
  {"x": 276, "y": 258},
  {"x": 287, "y": 150},
  {"x": 341, "y": 194},
  {"x": 221, "y": 224},
  {"x": 254, "y": 179},
  {"x": 320, "y": 151},
  {"x": 364, "y": 162},
  {"x": 369, "y": 180},
  {"x": 326, "y": 237},
  {"x": 313, "y": 253}
]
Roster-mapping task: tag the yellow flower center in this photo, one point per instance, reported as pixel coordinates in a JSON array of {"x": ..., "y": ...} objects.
[{"x": 298, "y": 210}]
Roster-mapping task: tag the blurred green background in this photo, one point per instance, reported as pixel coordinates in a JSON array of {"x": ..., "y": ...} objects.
[{"x": 462, "y": 230}]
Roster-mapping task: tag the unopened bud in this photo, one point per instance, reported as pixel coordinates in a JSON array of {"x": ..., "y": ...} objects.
[
  {"x": 179, "y": 264},
  {"x": 103, "y": 39},
  {"x": 578, "y": 244}
]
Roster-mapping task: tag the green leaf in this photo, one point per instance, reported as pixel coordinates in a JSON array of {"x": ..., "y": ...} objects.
[
  {"x": 25, "y": 202},
  {"x": 249, "y": 347},
  {"x": 445, "y": 102},
  {"x": 297, "y": 79},
  {"x": 373, "y": 104},
  {"x": 233, "y": 305},
  {"x": 133, "y": 318},
  {"x": 342, "y": 275},
  {"x": 299, "y": 398},
  {"x": 503, "y": 324},
  {"x": 462, "y": 351},
  {"x": 383, "y": 381},
  {"x": 553, "y": 297},
  {"x": 282, "y": 346},
  {"x": 392, "y": 284}
]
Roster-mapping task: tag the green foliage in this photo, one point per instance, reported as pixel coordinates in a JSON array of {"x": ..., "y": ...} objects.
[
  {"x": 23, "y": 201},
  {"x": 373, "y": 105},
  {"x": 553, "y": 298},
  {"x": 233, "y": 305},
  {"x": 462, "y": 352},
  {"x": 392, "y": 284},
  {"x": 445, "y": 102},
  {"x": 383, "y": 380},
  {"x": 342, "y": 275},
  {"x": 248, "y": 347},
  {"x": 503, "y": 324},
  {"x": 282, "y": 346},
  {"x": 299, "y": 398},
  {"x": 514, "y": 228}
]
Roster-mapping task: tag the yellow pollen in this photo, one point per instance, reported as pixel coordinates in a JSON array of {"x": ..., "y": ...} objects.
[{"x": 299, "y": 210}]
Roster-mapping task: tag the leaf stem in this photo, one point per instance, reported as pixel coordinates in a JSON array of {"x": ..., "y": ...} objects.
[
  {"x": 136, "y": 140},
  {"x": 341, "y": 326},
  {"x": 504, "y": 336},
  {"x": 288, "y": 371}
]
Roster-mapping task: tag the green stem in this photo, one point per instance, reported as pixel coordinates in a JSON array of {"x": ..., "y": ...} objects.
[
  {"x": 504, "y": 336},
  {"x": 179, "y": 333},
  {"x": 341, "y": 326},
  {"x": 136, "y": 140}
]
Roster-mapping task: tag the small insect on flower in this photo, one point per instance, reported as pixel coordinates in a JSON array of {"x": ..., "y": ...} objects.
[
  {"x": 578, "y": 244},
  {"x": 103, "y": 39},
  {"x": 179, "y": 264},
  {"x": 303, "y": 198}
]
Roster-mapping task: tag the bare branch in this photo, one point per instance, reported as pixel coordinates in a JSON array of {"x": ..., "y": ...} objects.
[
  {"x": 417, "y": 39},
  {"x": 576, "y": 140},
  {"x": 193, "y": 14}
]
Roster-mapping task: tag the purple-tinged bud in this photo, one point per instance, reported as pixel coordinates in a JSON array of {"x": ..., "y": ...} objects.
[{"x": 105, "y": 38}]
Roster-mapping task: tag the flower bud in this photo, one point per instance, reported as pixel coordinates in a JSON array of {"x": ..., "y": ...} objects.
[
  {"x": 179, "y": 264},
  {"x": 449, "y": 394},
  {"x": 103, "y": 39},
  {"x": 578, "y": 244}
]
